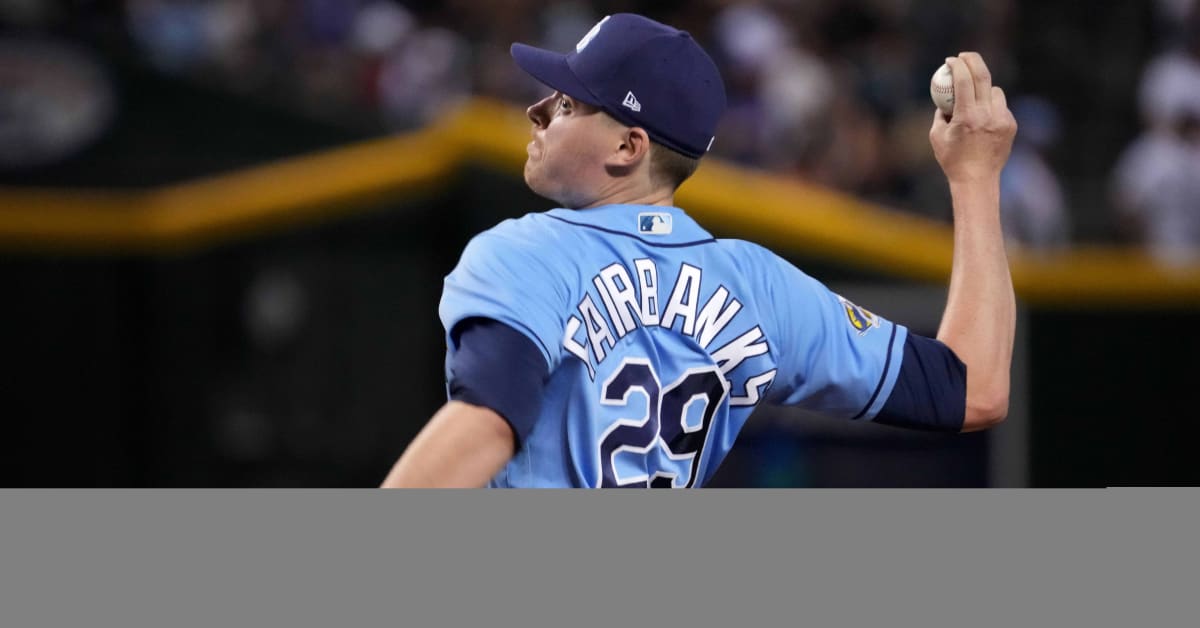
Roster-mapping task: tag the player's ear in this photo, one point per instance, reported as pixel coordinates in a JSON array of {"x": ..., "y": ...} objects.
[{"x": 632, "y": 149}]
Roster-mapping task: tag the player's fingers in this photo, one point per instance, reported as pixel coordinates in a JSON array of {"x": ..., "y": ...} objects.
[
  {"x": 939, "y": 121},
  {"x": 1000, "y": 108},
  {"x": 938, "y": 129},
  {"x": 981, "y": 77},
  {"x": 964, "y": 87}
]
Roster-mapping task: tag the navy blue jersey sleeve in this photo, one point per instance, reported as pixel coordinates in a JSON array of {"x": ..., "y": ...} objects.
[
  {"x": 931, "y": 390},
  {"x": 497, "y": 367}
]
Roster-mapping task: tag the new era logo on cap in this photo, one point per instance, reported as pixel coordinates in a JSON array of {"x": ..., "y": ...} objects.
[{"x": 631, "y": 101}]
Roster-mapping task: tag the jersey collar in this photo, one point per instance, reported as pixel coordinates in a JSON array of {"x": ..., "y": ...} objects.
[{"x": 652, "y": 224}]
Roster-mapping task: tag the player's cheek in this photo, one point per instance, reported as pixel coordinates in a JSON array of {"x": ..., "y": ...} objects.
[
  {"x": 533, "y": 177},
  {"x": 531, "y": 173}
]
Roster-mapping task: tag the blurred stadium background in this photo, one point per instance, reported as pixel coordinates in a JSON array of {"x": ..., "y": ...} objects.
[{"x": 224, "y": 224}]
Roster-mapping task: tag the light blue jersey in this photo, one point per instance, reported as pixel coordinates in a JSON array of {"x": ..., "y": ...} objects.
[{"x": 660, "y": 341}]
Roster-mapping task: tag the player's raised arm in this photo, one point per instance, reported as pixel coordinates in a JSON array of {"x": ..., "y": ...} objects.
[
  {"x": 462, "y": 446},
  {"x": 496, "y": 375},
  {"x": 980, "y": 318}
]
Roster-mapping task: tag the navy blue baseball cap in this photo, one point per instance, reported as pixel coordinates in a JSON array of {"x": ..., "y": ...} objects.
[{"x": 642, "y": 73}]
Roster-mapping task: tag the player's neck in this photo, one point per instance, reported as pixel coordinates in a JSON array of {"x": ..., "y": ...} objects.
[{"x": 658, "y": 196}]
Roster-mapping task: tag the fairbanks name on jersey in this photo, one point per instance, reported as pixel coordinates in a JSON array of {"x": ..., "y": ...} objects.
[
  {"x": 660, "y": 346},
  {"x": 630, "y": 304}
]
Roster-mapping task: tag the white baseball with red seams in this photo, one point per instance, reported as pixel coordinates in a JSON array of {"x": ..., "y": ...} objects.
[{"x": 941, "y": 89}]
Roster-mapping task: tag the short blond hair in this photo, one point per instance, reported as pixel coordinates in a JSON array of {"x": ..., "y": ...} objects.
[{"x": 668, "y": 167}]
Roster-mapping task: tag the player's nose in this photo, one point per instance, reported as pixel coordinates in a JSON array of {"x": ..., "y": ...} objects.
[{"x": 537, "y": 112}]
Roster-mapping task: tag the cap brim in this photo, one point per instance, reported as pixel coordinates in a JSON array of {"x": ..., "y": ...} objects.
[{"x": 551, "y": 69}]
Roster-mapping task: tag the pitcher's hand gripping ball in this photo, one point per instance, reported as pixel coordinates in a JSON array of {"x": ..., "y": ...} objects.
[{"x": 941, "y": 89}]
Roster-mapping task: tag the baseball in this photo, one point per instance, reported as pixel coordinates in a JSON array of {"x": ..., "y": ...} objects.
[{"x": 941, "y": 89}]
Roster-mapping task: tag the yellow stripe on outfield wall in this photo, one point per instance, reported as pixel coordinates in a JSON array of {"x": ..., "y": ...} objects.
[
  {"x": 209, "y": 210},
  {"x": 785, "y": 214}
]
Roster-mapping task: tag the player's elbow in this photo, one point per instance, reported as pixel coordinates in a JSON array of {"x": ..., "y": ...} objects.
[{"x": 985, "y": 411}]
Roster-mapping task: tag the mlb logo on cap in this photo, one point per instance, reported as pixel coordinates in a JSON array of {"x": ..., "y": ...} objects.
[{"x": 654, "y": 223}]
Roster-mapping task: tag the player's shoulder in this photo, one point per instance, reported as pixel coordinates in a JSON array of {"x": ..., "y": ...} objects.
[
  {"x": 527, "y": 235},
  {"x": 744, "y": 248},
  {"x": 519, "y": 227},
  {"x": 756, "y": 258}
]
